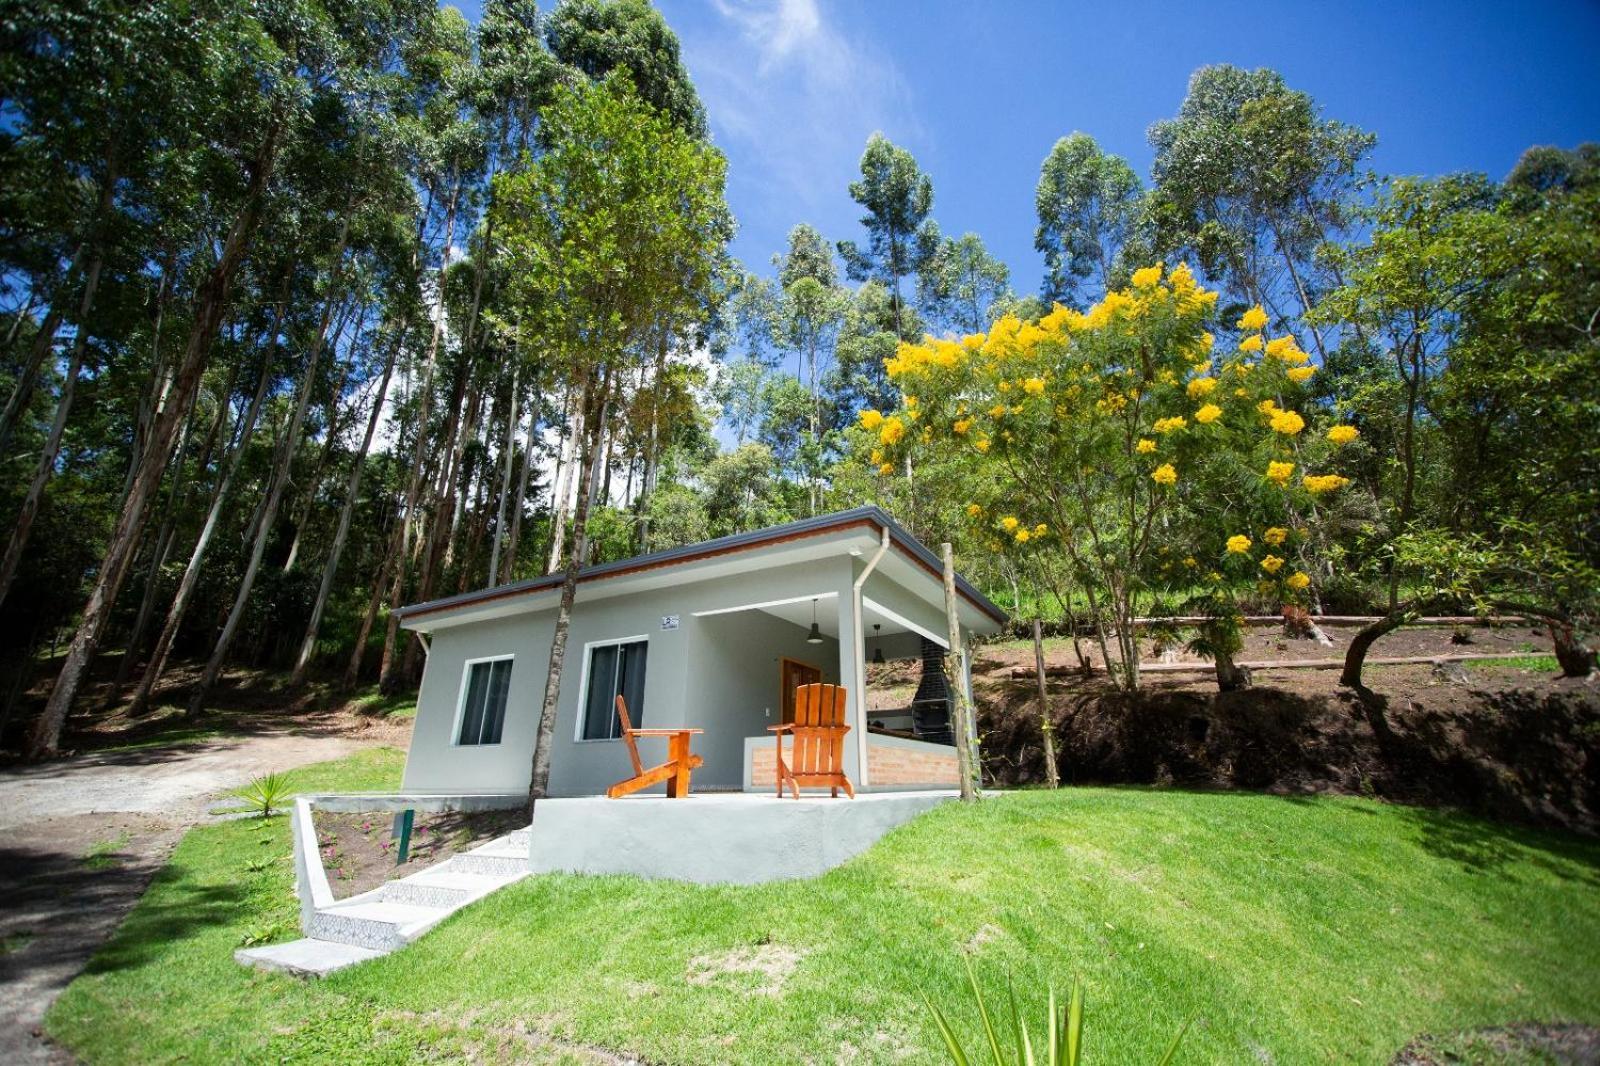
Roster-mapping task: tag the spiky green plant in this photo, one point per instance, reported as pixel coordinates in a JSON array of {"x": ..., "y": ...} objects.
[
  {"x": 1063, "y": 1031},
  {"x": 267, "y": 793}
]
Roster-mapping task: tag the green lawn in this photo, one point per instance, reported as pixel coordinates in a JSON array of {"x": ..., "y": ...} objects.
[{"x": 1296, "y": 930}]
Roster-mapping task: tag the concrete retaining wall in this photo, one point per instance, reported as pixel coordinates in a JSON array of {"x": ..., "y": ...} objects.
[{"x": 714, "y": 838}]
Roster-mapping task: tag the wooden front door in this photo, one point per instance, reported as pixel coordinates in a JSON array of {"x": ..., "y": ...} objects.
[{"x": 794, "y": 674}]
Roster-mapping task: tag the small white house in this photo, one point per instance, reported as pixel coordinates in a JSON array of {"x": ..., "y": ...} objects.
[{"x": 713, "y": 636}]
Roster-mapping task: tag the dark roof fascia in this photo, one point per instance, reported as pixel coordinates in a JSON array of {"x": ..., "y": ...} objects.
[{"x": 806, "y": 527}]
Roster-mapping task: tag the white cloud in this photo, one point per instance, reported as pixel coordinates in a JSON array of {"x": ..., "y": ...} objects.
[{"x": 781, "y": 79}]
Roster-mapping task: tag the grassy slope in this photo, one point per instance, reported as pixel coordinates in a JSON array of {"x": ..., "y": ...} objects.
[{"x": 1309, "y": 930}]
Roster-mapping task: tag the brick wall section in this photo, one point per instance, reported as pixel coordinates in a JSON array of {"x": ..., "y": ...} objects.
[
  {"x": 898, "y": 766},
  {"x": 764, "y": 768},
  {"x": 886, "y": 765}
]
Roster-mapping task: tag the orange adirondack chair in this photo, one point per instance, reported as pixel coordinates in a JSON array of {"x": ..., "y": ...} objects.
[
  {"x": 675, "y": 771},
  {"x": 818, "y": 731}
]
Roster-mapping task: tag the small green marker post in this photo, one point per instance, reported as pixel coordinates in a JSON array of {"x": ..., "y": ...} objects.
[{"x": 402, "y": 832}]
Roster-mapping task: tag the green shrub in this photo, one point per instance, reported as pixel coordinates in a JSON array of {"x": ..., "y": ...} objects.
[{"x": 267, "y": 793}]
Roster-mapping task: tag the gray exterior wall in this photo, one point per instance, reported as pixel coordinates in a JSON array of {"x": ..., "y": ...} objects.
[{"x": 698, "y": 675}]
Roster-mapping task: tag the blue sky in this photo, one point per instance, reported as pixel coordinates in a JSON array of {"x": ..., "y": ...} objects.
[{"x": 980, "y": 91}]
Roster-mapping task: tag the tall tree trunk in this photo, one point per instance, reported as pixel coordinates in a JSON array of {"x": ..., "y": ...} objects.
[
  {"x": 593, "y": 402},
  {"x": 211, "y": 304},
  {"x": 387, "y": 681},
  {"x": 509, "y": 573},
  {"x": 166, "y": 535},
  {"x": 191, "y": 573},
  {"x": 279, "y": 480},
  {"x": 308, "y": 497},
  {"x": 352, "y": 670},
  {"x": 561, "y": 498},
  {"x": 507, "y": 460},
  {"x": 352, "y": 490},
  {"x": 46, "y": 466}
]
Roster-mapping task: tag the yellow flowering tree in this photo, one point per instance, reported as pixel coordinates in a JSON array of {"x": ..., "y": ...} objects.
[{"x": 1118, "y": 440}]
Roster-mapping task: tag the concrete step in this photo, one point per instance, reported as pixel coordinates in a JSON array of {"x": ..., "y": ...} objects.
[
  {"x": 372, "y": 923},
  {"x": 491, "y": 864},
  {"x": 509, "y": 845},
  {"x": 439, "y": 887},
  {"x": 305, "y": 958}
]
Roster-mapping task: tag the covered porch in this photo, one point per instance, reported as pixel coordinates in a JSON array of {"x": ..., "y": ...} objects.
[{"x": 758, "y": 653}]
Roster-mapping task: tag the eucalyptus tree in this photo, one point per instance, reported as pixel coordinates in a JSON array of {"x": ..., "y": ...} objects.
[
  {"x": 1089, "y": 204},
  {"x": 961, "y": 283},
  {"x": 447, "y": 135},
  {"x": 1251, "y": 179},
  {"x": 898, "y": 198},
  {"x": 596, "y": 37},
  {"x": 806, "y": 314},
  {"x": 617, "y": 226},
  {"x": 252, "y": 104}
]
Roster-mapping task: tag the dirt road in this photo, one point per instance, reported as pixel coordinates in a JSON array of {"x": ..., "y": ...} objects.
[{"x": 81, "y": 838}]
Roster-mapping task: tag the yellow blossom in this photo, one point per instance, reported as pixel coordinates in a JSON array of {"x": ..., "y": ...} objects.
[
  {"x": 961, "y": 425},
  {"x": 1165, "y": 474},
  {"x": 997, "y": 411},
  {"x": 1040, "y": 530},
  {"x": 1287, "y": 422},
  {"x": 982, "y": 444},
  {"x": 1278, "y": 345},
  {"x": 1208, "y": 414},
  {"x": 911, "y": 401},
  {"x": 1280, "y": 473},
  {"x": 1022, "y": 536},
  {"x": 1201, "y": 368},
  {"x": 1320, "y": 483},
  {"x": 1343, "y": 434},
  {"x": 1276, "y": 535},
  {"x": 1145, "y": 446},
  {"x": 892, "y": 431},
  {"x": 886, "y": 468},
  {"x": 1201, "y": 387},
  {"x": 871, "y": 419},
  {"x": 1268, "y": 406},
  {"x": 1189, "y": 561},
  {"x": 1238, "y": 544},
  {"x": 1297, "y": 580},
  {"x": 1251, "y": 343},
  {"x": 1148, "y": 277},
  {"x": 1008, "y": 523},
  {"x": 1271, "y": 564},
  {"x": 973, "y": 510},
  {"x": 1301, "y": 374},
  {"x": 1033, "y": 386},
  {"x": 1167, "y": 425},
  {"x": 1254, "y": 318}
]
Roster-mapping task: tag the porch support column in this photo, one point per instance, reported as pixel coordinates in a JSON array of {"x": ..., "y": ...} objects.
[
  {"x": 858, "y": 656},
  {"x": 853, "y": 677}
]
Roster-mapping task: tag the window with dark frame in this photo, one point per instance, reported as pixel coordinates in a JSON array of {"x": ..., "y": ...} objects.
[
  {"x": 483, "y": 707},
  {"x": 614, "y": 670}
]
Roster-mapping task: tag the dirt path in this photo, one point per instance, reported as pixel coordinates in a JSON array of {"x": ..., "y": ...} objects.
[{"x": 80, "y": 840}]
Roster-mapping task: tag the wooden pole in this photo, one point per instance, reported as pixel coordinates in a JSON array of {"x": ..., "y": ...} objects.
[
  {"x": 1051, "y": 775},
  {"x": 962, "y": 724}
]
